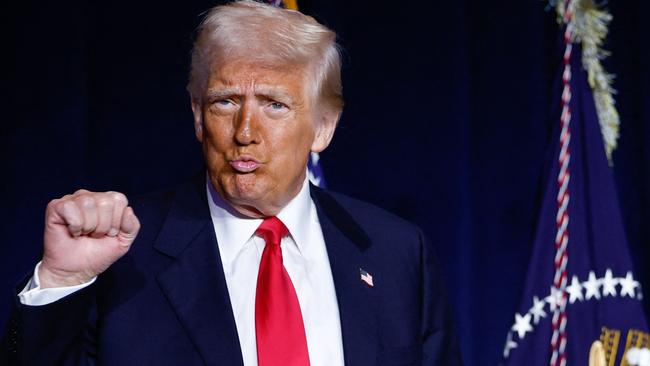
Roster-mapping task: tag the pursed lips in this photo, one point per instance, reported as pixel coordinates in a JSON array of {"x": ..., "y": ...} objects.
[{"x": 244, "y": 164}]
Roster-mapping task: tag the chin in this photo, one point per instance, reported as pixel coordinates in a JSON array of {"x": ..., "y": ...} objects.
[
  {"x": 248, "y": 185},
  {"x": 244, "y": 190}
]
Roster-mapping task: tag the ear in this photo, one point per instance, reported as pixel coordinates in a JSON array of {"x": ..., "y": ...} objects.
[
  {"x": 198, "y": 118},
  {"x": 325, "y": 130}
]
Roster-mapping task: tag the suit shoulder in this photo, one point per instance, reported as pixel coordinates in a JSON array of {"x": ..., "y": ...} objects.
[{"x": 370, "y": 217}]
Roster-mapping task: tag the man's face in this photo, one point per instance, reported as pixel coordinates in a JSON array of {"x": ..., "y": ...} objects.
[{"x": 257, "y": 125}]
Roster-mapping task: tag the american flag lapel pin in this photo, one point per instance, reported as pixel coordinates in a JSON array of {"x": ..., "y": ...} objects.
[{"x": 366, "y": 277}]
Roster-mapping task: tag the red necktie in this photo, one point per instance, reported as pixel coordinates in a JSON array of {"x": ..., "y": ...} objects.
[{"x": 279, "y": 328}]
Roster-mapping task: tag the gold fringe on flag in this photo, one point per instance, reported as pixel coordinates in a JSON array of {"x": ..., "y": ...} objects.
[
  {"x": 590, "y": 28},
  {"x": 291, "y": 4}
]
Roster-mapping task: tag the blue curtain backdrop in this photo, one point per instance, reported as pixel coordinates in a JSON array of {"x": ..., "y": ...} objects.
[{"x": 446, "y": 123}]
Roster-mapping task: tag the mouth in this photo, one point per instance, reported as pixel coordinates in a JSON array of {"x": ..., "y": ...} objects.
[{"x": 244, "y": 164}]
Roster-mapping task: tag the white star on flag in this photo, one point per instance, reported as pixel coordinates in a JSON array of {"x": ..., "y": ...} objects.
[
  {"x": 609, "y": 284},
  {"x": 574, "y": 290},
  {"x": 554, "y": 299},
  {"x": 313, "y": 178},
  {"x": 537, "y": 310},
  {"x": 628, "y": 285},
  {"x": 315, "y": 157},
  {"x": 638, "y": 356},
  {"x": 510, "y": 344},
  {"x": 522, "y": 325},
  {"x": 591, "y": 286}
]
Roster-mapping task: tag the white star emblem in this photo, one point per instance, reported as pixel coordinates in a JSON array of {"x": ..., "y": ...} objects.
[
  {"x": 522, "y": 325},
  {"x": 555, "y": 300},
  {"x": 537, "y": 310},
  {"x": 574, "y": 290},
  {"x": 609, "y": 284},
  {"x": 510, "y": 344},
  {"x": 628, "y": 285},
  {"x": 592, "y": 286},
  {"x": 315, "y": 157},
  {"x": 314, "y": 179}
]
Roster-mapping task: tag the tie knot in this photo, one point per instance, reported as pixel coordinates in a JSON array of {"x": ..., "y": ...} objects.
[{"x": 272, "y": 230}]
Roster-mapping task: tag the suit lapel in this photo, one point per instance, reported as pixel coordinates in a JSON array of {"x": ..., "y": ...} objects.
[
  {"x": 194, "y": 282},
  {"x": 346, "y": 243}
]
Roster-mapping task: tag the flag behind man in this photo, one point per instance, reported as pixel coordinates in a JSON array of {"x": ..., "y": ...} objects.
[{"x": 580, "y": 286}]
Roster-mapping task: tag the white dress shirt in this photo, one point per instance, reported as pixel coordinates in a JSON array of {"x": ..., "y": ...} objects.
[{"x": 304, "y": 257}]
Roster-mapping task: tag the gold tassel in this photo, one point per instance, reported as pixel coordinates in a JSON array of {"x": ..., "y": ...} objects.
[
  {"x": 590, "y": 28},
  {"x": 291, "y": 4}
]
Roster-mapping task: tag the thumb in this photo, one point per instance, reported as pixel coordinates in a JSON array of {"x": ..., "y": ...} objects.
[{"x": 129, "y": 227}]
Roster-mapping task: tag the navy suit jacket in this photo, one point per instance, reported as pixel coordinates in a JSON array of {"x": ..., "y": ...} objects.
[{"x": 166, "y": 302}]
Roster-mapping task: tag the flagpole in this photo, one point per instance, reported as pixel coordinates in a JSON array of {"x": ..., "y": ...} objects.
[{"x": 559, "y": 322}]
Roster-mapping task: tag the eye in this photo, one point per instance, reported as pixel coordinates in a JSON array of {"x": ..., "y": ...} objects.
[
  {"x": 277, "y": 106},
  {"x": 224, "y": 102},
  {"x": 276, "y": 109},
  {"x": 225, "y": 105}
]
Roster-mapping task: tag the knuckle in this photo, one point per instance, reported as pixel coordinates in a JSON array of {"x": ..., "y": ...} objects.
[
  {"x": 53, "y": 204},
  {"x": 80, "y": 191},
  {"x": 104, "y": 203},
  {"x": 67, "y": 205},
  {"x": 86, "y": 202},
  {"x": 118, "y": 197},
  {"x": 74, "y": 221}
]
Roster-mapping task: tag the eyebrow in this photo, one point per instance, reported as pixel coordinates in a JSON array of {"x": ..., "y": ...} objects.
[
  {"x": 266, "y": 91},
  {"x": 220, "y": 93}
]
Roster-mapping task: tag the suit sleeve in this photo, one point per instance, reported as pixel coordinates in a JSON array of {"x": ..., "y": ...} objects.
[
  {"x": 439, "y": 340},
  {"x": 59, "y": 333}
]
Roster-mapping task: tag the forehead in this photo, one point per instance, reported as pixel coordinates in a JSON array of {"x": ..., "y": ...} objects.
[{"x": 247, "y": 75}]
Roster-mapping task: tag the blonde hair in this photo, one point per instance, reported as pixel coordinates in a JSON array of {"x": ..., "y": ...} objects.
[{"x": 261, "y": 32}]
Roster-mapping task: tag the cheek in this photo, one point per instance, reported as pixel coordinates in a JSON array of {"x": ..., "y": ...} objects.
[
  {"x": 214, "y": 152},
  {"x": 290, "y": 143},
  {"x": 292, "y": 150},
  {"x": 216, "y": 134}
]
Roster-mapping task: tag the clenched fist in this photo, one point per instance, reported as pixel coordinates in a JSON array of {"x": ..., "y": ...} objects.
[{"x": 85, "y": 233}]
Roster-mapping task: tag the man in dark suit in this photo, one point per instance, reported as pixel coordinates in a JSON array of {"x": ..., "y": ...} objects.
[{"x": 247, "y": 264}]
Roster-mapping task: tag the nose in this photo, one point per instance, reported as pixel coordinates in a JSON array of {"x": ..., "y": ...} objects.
[{"x": 247, "y": 125}]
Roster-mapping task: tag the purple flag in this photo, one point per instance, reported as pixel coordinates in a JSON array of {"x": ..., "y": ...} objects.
[{"x": 580, "y": 285}]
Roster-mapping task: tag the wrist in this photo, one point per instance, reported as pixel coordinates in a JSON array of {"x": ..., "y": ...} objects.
[{"x": 49, "y": 278}]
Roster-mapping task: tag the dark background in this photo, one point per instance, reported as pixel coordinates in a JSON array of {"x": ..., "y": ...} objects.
[{"x": 446, "y": 123}]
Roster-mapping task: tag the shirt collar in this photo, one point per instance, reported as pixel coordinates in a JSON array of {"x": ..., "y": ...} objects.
[
  {"x": 296, "y": 216},
  {"x": 233, "y": 230}
]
